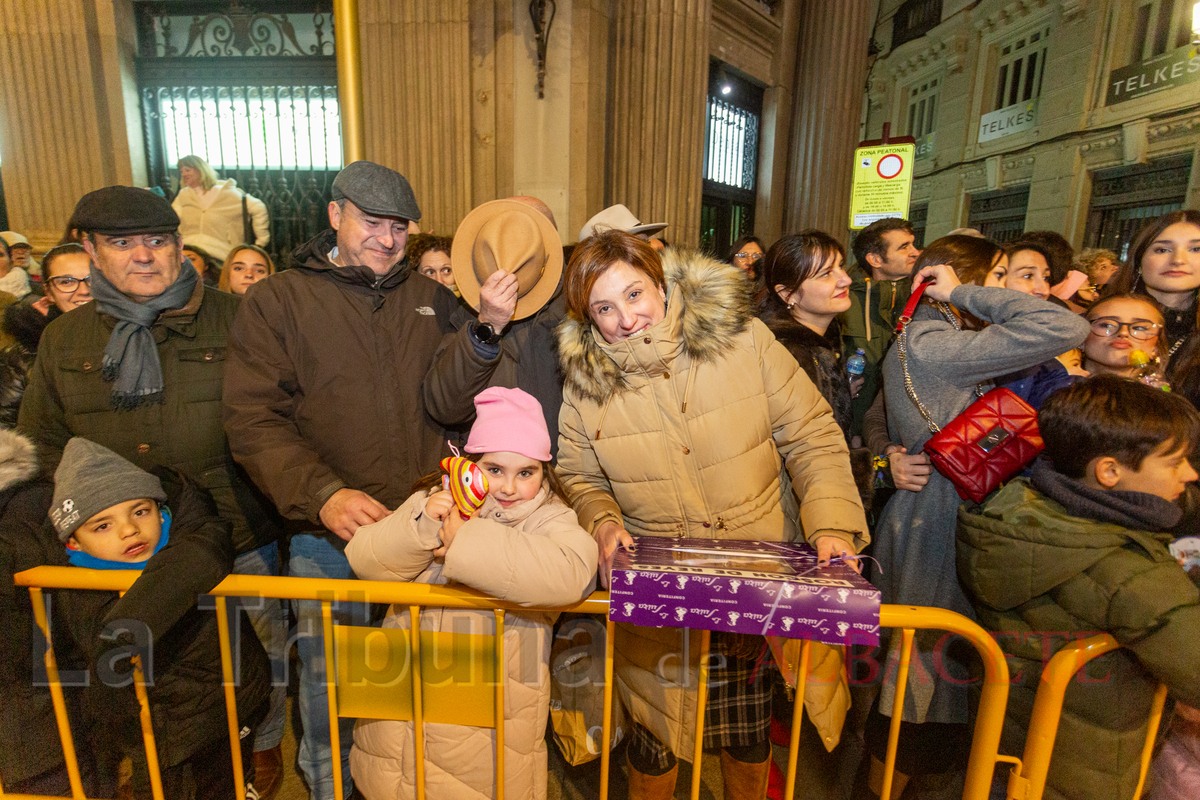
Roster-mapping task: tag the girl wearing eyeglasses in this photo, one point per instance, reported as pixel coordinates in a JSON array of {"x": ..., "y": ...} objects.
[{"x": 1120, "y": 326}]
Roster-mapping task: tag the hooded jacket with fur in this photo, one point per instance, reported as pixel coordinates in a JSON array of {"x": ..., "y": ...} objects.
[{"x": 680, "y": 430}]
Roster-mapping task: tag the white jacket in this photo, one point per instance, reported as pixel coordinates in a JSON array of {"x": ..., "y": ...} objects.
[
  {"x": 534, "y": 554},
  {"x": 216, "y": 226}
]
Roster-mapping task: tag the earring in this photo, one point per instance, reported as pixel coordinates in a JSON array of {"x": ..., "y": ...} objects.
[{"x": 790, "y": 306}]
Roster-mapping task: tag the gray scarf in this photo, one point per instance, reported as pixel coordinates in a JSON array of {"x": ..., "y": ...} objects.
[{"x": 131, "y": 357}]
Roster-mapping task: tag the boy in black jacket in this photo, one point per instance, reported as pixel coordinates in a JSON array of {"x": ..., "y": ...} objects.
[{"x": 112, "y": 515}]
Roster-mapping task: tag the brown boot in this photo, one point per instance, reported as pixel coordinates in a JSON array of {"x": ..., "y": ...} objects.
[
  {"x": 744, "y": 781},
  {"x": 651, "y": 787},
  {"x": 268, "y": 771}
]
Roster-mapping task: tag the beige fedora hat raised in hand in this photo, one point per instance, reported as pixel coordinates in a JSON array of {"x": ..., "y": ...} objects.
[{"x": 512, "y": 236}]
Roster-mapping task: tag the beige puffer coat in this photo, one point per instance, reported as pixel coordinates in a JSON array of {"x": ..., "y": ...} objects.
[
  {"x": 681, "y": 431},
  {"x": 533, "y": 554}
]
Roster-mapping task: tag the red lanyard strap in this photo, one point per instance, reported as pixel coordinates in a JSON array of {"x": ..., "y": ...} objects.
[{"x": 911, "y": 306}]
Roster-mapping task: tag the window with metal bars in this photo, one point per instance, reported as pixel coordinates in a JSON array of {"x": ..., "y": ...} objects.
[
  {"x": 1020, "y": 67},
  {"x": 251, "y": 91},
  {"x": 1159, "y": 26},
  {"x": 922, "y": 106},
  {"x": 730, "y": 159}
]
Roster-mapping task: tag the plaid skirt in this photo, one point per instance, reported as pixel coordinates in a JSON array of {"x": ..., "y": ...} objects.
[{"x": 738, "y": 712}]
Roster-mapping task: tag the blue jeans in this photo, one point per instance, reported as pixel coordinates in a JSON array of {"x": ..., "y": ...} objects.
[
  {"x": 314, "y": 556},
  {"x": 266, "y": 615}
]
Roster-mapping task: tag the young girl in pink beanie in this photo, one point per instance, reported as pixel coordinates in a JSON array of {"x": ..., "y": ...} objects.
[{"x": 523, "y": 546}]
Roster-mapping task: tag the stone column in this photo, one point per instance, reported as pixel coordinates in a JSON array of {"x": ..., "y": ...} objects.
[
  {"x": 656, "y": 112},
  {"x": 831, "y": 68},
  {"x": 71, "y": 119},
  {"x": 417, "y": 83}
]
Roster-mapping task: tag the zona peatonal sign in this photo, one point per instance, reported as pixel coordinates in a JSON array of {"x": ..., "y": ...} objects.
[
  {"x": 883, "y": 176},
  {"x": 1176, "y": 68},
  {"x": 1008, "y": 120}
]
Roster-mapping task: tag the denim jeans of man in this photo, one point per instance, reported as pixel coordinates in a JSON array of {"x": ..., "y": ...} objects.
[
  {"x": 266, "y": 615},
  {"x": 316, "y": 556}
]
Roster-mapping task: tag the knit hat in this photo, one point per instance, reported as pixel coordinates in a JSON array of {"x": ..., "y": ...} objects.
[
  {"x": 509, "y": 421},
  {"x": 91, "y": 478}
]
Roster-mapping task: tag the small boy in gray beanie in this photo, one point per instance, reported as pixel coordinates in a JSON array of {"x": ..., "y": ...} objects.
[
  {"x": 112, "y": 515},
  {"x": 109, "y": 513}
]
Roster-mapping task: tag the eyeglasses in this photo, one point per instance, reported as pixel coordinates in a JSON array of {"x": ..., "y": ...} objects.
[
  {"x": 746, "y": 256},
  {"x": 1138, "y": 330},
  {"x": 68, "y": 284}
]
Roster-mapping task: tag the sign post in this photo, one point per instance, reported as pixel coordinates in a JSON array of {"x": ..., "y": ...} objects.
[{"x": 883, "y": 175}]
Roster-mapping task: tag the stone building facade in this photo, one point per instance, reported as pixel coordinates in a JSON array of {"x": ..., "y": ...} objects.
[{"x": 1079, "y": 116}]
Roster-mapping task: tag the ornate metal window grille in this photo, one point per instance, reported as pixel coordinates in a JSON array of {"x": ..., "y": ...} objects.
[
  {"x": 1126, "y": 199},
  {"x": 252, "y": 93},
  {"x": 732, "y": 156},
  {"x": 1000, "y": 215},
  {"x": 1020, "y": 67},
  {"x": 914, "y": 19}
]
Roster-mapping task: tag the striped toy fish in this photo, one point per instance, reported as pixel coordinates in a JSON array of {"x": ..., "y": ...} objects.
[{"x": 466, "y": 483}]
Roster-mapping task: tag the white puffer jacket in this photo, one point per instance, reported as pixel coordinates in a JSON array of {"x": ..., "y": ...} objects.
[
  {"x": 217, "y": 226},
  {"x": 534, "y": 554}
]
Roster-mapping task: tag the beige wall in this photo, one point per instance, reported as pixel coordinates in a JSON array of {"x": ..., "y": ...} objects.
[
  {"x": 1075, "y": 135},
  {"x": 69, "y": 121},
  {"x": 449, "y": 100}
]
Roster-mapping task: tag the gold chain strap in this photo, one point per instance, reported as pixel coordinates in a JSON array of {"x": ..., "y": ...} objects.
[{"x": 902, "y": 351}]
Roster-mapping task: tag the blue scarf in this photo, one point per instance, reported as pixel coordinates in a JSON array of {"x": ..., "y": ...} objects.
[{"x": 78, "y": 558}]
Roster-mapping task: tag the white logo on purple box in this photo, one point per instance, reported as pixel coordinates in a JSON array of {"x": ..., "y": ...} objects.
[
  {"x": 733, "y": 618},
  {"x": 787, "y": 623},
  {"x": 680, "y": 613},
  {"x": 628, "y": 608},
  {"x": 843, "y": 595},
  {"x": 733, "y": 586}
]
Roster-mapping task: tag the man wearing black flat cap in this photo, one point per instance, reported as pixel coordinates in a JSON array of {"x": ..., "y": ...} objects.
[
  {"x": 323, "y": 402},
  {"x": 139, "y": 371}
]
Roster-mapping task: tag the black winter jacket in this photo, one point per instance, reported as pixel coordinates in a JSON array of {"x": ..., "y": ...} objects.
[{"x": 183, "y": 670}]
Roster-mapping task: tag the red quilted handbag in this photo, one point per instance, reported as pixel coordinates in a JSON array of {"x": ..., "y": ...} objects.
[{"x": 993, "y": 439}]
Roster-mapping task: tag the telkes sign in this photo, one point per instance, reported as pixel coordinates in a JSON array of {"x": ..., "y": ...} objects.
[{"x": 1009, "y": 120}]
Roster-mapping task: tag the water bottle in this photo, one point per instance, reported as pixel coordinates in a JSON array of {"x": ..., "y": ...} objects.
[{"x": 856, "y": 364}]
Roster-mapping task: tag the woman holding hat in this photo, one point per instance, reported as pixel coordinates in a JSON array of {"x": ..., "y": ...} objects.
[{"x": 678, "y": 409}]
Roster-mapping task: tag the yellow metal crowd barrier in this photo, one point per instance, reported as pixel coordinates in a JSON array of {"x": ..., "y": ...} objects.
[
  {"x": 1028, "y": 778},
  {"x": 415, "y": 596}
]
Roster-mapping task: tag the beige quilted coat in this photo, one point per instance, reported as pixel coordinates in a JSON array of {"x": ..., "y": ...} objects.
[
  {"x": 533, "y": 554},
  {"x": 682, "y": 431}
]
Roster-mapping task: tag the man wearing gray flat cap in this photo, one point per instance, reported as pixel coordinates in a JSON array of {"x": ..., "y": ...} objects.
[{"x": 323, "y": 403}]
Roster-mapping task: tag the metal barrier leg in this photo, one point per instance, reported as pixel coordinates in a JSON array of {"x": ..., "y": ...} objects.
[
  {"x": 701, "y": 702},
  {"x": 139, "y": 687},
  {"x": 235, "y": 743},
  {"x": 501, "y": 672},
  {"x": 610, "y": 631},
  {"x": 414, "y": 618},
  {"x": 797, "y": 719},
  {"x": 1156, "y": 711},
  {"x": 56, "y": 696},
  {"x": 335, "y": 735},
  {"x": 889, "y": 765}
]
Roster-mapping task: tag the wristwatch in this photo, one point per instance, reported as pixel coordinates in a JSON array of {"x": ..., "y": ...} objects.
[{"x": 484, "y": 333}]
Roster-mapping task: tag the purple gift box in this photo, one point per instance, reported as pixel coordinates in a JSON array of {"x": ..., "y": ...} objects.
[{"x": 767, "y": 588}]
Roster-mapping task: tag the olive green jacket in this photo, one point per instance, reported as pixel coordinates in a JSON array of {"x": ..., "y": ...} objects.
[
  {"x": 66, "y": 396},
  {"x": 870, "y": 324},
  {"x": 1039, "y": 578}
]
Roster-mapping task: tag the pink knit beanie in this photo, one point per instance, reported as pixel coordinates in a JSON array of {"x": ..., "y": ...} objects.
[{"x": 509, "y": 421}]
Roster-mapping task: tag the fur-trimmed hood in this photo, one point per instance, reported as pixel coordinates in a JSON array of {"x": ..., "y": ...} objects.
[
  {"x": 708, "y": 306},
  {"x": 18, "y": 459}
]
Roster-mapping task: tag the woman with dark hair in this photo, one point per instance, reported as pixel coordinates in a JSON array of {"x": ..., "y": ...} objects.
[
  {"x": 747, "y": 254},
  {"x": 66, "y": 271},
  {"x": 1164, "y": 262},
  {"x": 676, "y": 419},
  {"x": 429, "y": 255},
  {"x": 207, "y": 266},
  {"x": 802, "y": 289},
  {"x": 966, "y": 332}
]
